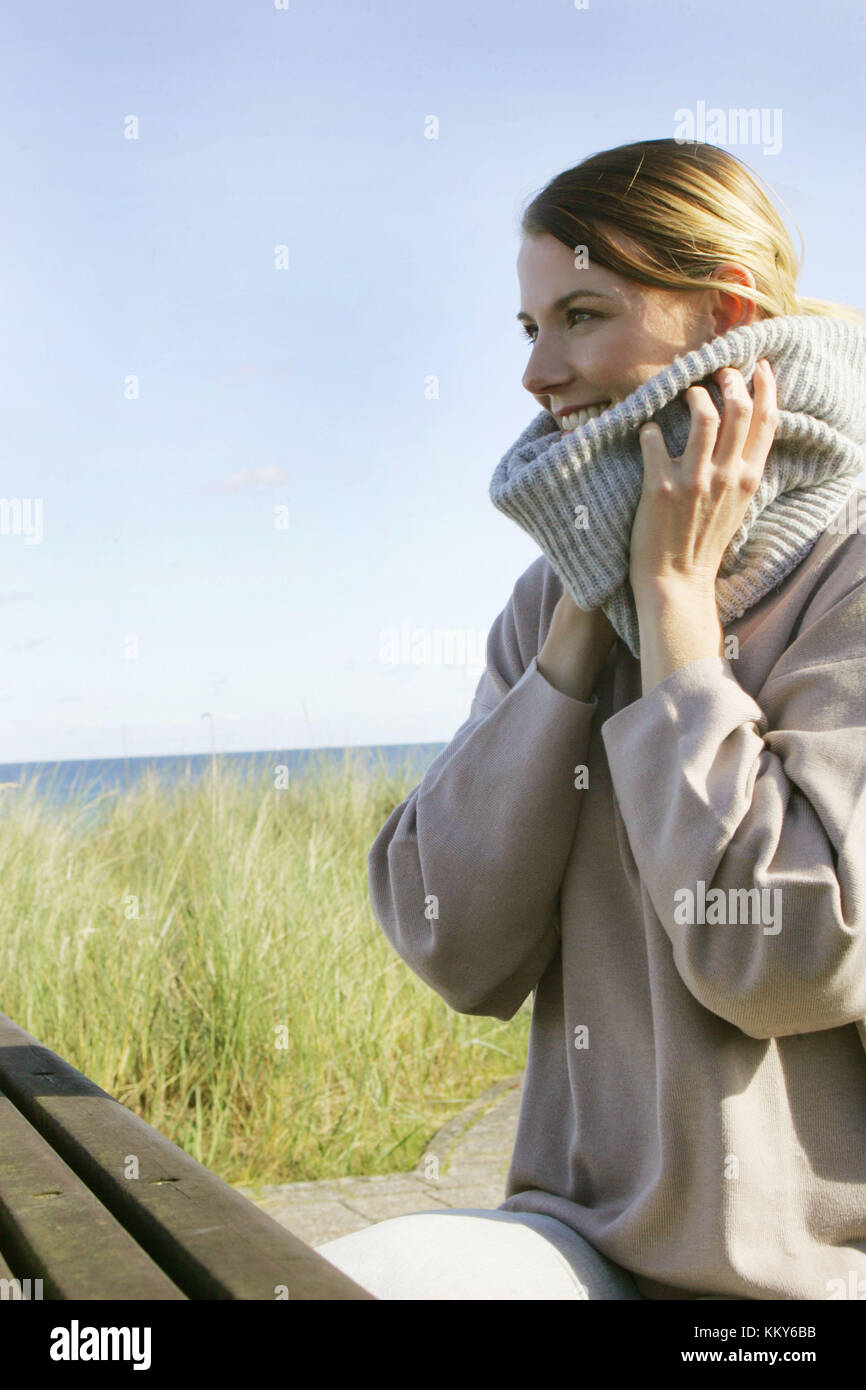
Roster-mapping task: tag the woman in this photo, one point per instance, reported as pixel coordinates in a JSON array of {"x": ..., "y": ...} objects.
[{"x": 655, "y": 815}]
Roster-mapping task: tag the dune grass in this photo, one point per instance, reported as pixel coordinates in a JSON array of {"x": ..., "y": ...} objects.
[{"x": 207, "y": 953}]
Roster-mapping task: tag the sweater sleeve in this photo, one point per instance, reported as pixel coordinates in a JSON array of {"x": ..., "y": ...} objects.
[
  {"x": 719, "y": 792},
  {"x": 464, "y": 876}
]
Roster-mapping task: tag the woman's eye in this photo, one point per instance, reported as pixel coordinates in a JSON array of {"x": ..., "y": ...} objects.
[{"x": 529, "y": 333}]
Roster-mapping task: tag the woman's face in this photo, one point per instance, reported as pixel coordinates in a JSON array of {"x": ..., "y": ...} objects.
[{"x": 613, "y": 334}]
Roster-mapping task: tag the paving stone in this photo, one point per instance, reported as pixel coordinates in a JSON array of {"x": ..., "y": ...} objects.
[
  {"x": 319, "y": 1221},
  {"x": 386, "y": 1205}
]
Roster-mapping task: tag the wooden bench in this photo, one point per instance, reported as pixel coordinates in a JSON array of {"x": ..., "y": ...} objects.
[{"x": 97, "y": 1204}]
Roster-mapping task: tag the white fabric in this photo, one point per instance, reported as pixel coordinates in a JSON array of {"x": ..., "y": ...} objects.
[{"x": 472, "y": 1253}]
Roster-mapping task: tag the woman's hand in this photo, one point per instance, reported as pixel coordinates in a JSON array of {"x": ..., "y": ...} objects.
[
  {"x": 691, "y": 507},
  {"x": 576, "y": 648}
]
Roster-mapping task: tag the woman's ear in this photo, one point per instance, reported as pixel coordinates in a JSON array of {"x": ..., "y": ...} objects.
[{"x": 728, "y": 309}]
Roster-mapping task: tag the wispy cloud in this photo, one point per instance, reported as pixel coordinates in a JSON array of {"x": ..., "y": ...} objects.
[
  {"x": 249, "y": 479},
  {"x": 244, "y": 371},
  {"x": 27, "y": 646}
]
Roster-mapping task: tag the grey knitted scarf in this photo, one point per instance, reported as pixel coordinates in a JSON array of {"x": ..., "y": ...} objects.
[{"x": 576, "y": 492}]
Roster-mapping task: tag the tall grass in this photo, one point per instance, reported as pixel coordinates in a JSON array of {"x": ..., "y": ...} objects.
[{"x": 207, "y": 953}]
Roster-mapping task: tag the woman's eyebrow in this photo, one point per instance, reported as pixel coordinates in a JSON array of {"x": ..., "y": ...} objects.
[{"x": 563, "y": 300}]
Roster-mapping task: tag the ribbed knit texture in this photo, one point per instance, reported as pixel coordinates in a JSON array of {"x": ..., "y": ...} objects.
[{"x": 819, "y": 364}]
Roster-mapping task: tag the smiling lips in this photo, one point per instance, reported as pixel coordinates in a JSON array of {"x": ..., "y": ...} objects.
[{"x": 576, "y": 419}]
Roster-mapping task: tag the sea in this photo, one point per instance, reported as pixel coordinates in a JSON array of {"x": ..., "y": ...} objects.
[{"x": 91, "y": 780}]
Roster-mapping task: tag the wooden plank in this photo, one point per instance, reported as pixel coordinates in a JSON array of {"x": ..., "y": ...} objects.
[
  {"x": 17, "y": 1290},
  {"x": 5, "y": 1269},
  {"x": 54, "y": 1229},
  {"x": 211, "y": 1241}
]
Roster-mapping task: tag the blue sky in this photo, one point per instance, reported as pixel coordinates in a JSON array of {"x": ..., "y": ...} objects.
[{"x": 303, "y": 388}]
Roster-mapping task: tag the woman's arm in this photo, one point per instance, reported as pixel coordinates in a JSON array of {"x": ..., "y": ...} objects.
[
  {"x": 722, "y": 791},
  {"x": 465, "y": 874}
]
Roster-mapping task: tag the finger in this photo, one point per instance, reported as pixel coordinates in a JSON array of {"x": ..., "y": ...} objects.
[
  {"x": 703, "y": 433},
  {"x": 765, "y": 417},
  {"x": 656, "y": 459},
  {"x": 736, "y": 417}
]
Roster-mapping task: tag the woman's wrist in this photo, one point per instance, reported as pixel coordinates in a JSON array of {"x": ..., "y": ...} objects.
[
  {"x": 678, "y": 624},
  {"x": 571, "y": 658}
]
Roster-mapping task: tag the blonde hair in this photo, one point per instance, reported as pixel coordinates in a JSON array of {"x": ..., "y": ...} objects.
[{"x": 688, "y": 207}]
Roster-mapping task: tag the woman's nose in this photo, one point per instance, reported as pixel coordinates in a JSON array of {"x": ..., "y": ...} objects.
[{"x": 545, "y": 372}]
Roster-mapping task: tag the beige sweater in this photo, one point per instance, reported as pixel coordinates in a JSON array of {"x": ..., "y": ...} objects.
[{"x": 695, "y": 1094}]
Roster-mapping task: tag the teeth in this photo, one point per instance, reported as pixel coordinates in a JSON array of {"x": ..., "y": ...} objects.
[{"x": 579, "y": 418}]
